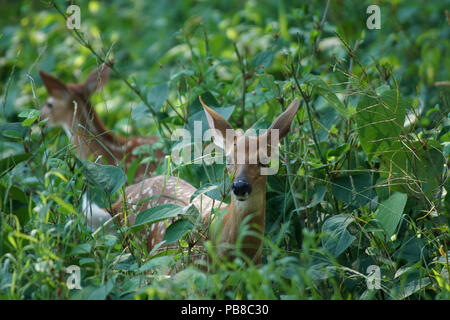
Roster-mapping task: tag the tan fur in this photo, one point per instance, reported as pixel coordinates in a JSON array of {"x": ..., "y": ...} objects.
[
  {"x": 173, "y": 190},
  {"x": 71, "y": 108}
]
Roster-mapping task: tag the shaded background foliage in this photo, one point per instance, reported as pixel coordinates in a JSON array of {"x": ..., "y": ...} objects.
[{"x": 363, "y": 179}]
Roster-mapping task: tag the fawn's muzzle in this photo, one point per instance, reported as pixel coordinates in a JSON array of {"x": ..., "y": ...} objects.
[{"x": 241, "y": 188}]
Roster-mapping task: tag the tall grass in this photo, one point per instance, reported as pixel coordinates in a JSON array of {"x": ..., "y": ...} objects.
[{"x": 363, "y": 173}]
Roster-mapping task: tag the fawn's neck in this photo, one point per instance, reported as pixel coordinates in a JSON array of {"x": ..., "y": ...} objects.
[
  {"x": 91, "y": 136},
  {"x": 255, "y": 207}
]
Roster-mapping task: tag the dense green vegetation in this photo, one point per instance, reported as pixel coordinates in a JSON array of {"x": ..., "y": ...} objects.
[{"x": 363, "y": 179}]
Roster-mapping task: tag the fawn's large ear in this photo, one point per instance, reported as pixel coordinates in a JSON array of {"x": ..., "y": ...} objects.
[
  {"x": 283, "y": 122},
  {"x": 55, "y": 87},
  {"x": 219, "y": 127},
  {"x": 97, "y": 79}
]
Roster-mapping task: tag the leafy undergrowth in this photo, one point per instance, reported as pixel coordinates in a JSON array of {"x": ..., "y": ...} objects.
[{"x": 360, "y": 205}]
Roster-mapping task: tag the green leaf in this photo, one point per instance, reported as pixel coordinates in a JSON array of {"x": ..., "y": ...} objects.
[
  {"x": 380, "y": 122},
  {"x": 12, "y": 134},
  {"x": 317, "y": 197},
  {"x": 157, "y": 262},
  {"x": 80, "y": 249},
  {"x": 155, "y": 214},
  {"x": 131, "y": 171},
  {"x": 263, "y": 59},
  {"x": 177, "y": 230},
  {"x": 15, "y": 193},
  {"x": 417, "y": 165},
  {"x": 11, "y": 161},
  {"x": 401, "y": 291},
  {"x": 337, "y": 238},
  {"x": 30, "y": 113},
  {"x": 203, "y": 189},
  {"x": 390, "y": 212},
  {"x": 355, "y": 190},
  {"x": 446, "y": 148},
  {"x": 333, "y": 100},
  {"x": 13, "y": 130},
  {"x": 157, "y": 95},
  {"x": 339, "y": 151},
  {"x": 100, "y": 293},
  {"x": 184, "y": 72},
  {"x": 140, "y": 111},
  {"x": 412, "y": 250},
  {"x": 208, "y": 98},
  {"x": 107, "y": 178}
]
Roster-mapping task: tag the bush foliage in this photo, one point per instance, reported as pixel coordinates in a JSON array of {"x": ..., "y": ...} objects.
[{"x": 363, "y": 179}]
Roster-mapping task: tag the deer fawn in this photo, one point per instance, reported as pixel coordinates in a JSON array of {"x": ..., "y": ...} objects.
[
  {"x": 69, "y": 105},
  {"x": 248, "y": 196}
]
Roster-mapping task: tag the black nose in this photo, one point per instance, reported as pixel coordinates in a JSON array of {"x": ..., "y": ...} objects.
[{"x": 241, "y": 187}]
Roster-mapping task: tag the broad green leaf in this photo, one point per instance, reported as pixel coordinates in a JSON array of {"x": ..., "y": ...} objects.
[
  {"x": 31, "y": 115},
  {"x": 380, "y": 121},
  {"x": 100, "y": 293},
  {"x": 13, "y": 130},
  {"x": 446, "y": 149},
  {"x": 390, "y": 211},
  {"x": 412, "y": 250},
  {"x": 12, "y": 134},
  {"x": 11, "y": 161},
  {"x": 416, "y": 166},
  {"x": 356, "y": 190},
  {"x": 157, "y": 95},
  {"x": 184, "y": 72},
  {"x": 333, "y": 100},
  {"x": 263, "y": 59},
  {"x": 162, "y": 212},
  {"x": 339, "y": 151},
  {"x": 208, "y": 98},
  {"x": 157, "y": 262},
  {"x": 80, "y": 249},
  {"x": 107, "y": 178},
  {"x": 204, "y": 189},
  {"x": 66, "y": 206},
  {"x": 402, "y": 291},
  {"x": 337, "y": 238},
  {"x": 177, "y": 230},
  {"x": 140, "y": 111},
  {"x": 15, "y": 193},
  {"x": 317, "y": 197}
]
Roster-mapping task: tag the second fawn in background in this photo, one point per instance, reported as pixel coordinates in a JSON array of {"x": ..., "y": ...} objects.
[
  {"x": 69, "y": 105},
  {"x": 248, "y": 188}
]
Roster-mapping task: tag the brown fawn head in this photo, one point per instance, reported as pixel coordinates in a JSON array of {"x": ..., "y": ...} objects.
[
  {"x": 60, "y": 105},
  {"x": 247, "y": 158}
]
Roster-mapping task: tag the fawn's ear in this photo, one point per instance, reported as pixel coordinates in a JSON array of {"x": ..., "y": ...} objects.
[
  {"x": 55, "y": 87},
  {"x": 97, "y": 79},
  {"x": 283, "y": 122},
  {"x": 219, "y": 127}
]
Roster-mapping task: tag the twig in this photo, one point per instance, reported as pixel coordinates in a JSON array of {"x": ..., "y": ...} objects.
[
  {"x": 244, "y": 84},
  {"x": 110, "y": 64},
  {"x": 322, "y": 22},
  {"x": 308, "y": 109}
]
